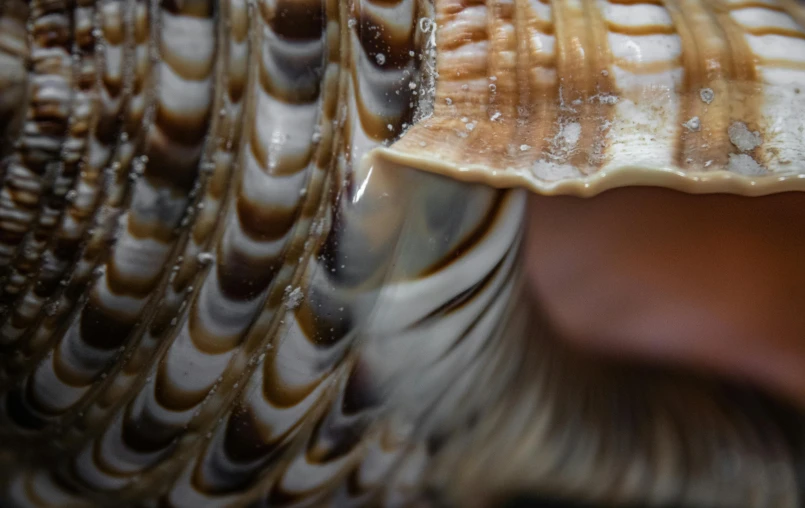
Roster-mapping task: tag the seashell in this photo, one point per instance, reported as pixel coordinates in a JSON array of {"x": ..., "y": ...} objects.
[{"x": 267, "y": 253}]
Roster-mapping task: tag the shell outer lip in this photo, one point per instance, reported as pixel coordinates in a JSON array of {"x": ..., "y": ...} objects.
[{"x": 710, "y": 182}]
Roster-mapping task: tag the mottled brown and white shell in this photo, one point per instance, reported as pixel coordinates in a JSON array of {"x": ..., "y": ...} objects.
[{"x": 267, "y": 252}]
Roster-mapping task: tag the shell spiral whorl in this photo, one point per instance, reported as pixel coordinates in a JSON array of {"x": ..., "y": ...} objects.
[{"x": 232, "y": 275}]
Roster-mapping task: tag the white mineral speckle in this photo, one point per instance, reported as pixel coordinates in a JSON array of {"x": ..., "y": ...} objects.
[
  {"x": 554, "y": 172},
  {"x": 425, "y": 24},
  {"x": 293, "y": 297},
  {"x": 744, "y": 165},
  {"x": 569, "y": 135},
  {"x": 380, "y": 58},
  {"x": 608, "y": 99},
  {"x": 693, "y": 125},
  {"x": 742, "y": 137},
  {"x": 206, "y": 258}
]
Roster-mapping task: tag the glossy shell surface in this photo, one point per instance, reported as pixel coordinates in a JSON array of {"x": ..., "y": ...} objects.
[{"x": 225, "y": 280}]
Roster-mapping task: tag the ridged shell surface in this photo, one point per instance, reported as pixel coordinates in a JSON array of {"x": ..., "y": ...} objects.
[
  {"x": 577, "y": 97},
  {"x": 267, "y": 253}
]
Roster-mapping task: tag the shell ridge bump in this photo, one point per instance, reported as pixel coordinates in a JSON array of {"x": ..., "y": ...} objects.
[
  {"x": 54, "y": 203},
  {"x": 71, "y": 293},
  {"x": 42, "y": 293}
]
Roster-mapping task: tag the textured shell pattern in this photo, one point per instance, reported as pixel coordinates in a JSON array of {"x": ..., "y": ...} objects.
[
  {"x": 578, "y": 97},
  {"x": 266, "y": 253}
]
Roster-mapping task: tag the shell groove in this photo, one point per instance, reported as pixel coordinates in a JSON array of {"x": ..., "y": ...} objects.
[{"x": 224, "y": 285}]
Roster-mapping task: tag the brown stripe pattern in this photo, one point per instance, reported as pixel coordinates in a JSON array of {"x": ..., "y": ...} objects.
[
  {"x": 53, "y": 201},
  {"x": 68, "y": 280},
  {"x": 163, "y": 176},
  {"x": 113, "y": 56},
  {"x": 579, "y": 96},
  {"x": 35, "y": 165},
  {"x": 229, "y": 283}
]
